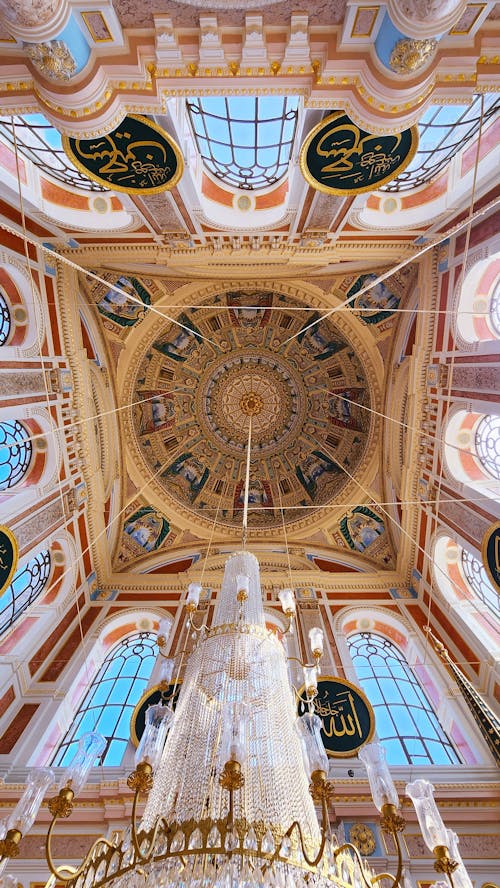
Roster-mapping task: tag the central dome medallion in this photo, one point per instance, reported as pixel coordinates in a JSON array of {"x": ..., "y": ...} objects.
[
  {"x": 228, "y": 360},
  {"x": 257, "y": 385}
]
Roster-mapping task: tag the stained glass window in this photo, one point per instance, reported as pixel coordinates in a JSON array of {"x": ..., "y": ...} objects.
[
  {"x": 443, "y": 131},
  {"x": 5, "y": 322},
  {"x": 405, "y": 721},
  {"x": 25, "y": 588},
  {"x": 41, "y": 143},
  {"x": 478, "y": 581},
  {"x": 244, "y": 140},
  {"x": 109, "y": 703},
  {"x": 487, "y": 441},
  {"x": 495, "y": 309},
  {"x": 15, "y": 453}
]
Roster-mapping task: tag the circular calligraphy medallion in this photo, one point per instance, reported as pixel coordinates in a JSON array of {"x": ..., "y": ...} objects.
[
  {"x": 137, "y": 157},
  {"x": 491, "y": 554},
  {"x": 347, "y": 716},
  {"x": 150, "y": 697},
  {"x": 9, "y": 554},
  {"x": 338, "y": 157}
]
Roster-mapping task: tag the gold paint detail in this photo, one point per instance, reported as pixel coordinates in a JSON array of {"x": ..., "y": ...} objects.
[
  {"x": 61, "y": 805},
  {"x": 9, "y": 845},
  {"x": 141, "y": 780},
  {"x": 251, "y": 404},
  {"x": 364, "y": 838},
  {"x": 97, "y": 26},
  {"x": 53, "y": 59},
  {"x": 410, "y": 55}
]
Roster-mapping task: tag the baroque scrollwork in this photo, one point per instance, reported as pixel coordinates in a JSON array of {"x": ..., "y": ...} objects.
[
  {"x": 410, "y": 55},
  {"x": 53, "y": 59}
]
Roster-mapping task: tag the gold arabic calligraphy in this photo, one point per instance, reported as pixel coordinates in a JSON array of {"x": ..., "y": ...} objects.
[
  {"x": 349, "y": 151},
  {"x": 4, "y": 565},
  {"x": 138, "y": 164},
  {"x": 337, "y": 720}
]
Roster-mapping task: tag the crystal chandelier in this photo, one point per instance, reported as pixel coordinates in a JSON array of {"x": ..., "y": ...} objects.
[{"x": 234, "y": 779}]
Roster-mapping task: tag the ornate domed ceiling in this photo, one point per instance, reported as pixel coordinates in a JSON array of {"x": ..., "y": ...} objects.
[{"x": 200, "y": 379}]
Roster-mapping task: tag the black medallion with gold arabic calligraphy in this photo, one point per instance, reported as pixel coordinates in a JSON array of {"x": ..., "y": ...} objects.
[
  {"x": 491, "y": 554},
  {"x": 347, "y": 716},
  {"x": 152, "y": 696},
  {"x": 338, "y": 157},
  {"x": 137, "y": 157},
  {"x": 9, "y": 554}
]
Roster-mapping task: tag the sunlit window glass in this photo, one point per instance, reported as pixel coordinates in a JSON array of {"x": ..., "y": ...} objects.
[
  {"x": 109, "y": 703},
  {"x": 5, "y": 321},
  {"x": 404, "y": 718},
  {"x": 495, "y": 309},
  {"x": 487, "y": 443},
  {"x": 41, "y": 143},
  {"x": 26, "y": 586},
  {"x": 443, "y": 131},
  {"x": 477, "y": 579},
  {"x": 244, "y": 140},
  {"x": 15, "y": 453}
]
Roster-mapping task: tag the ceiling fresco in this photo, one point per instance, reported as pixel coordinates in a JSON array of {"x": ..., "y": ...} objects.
[{"x": 198, "y": 385}]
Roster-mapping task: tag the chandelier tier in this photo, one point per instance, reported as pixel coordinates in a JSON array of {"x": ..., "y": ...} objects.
[{"x": 234, "y": 778}]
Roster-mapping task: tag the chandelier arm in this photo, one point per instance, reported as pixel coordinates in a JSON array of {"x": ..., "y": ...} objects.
[
  {"x": 304, "y": 665},
  {"x": 310, "y": 862},
  {"x": 201, "y": 628},
  {"x": 58, "y": 871},
  {"x": 399, "y": 872},
  {"x": 348, "y": 846}
]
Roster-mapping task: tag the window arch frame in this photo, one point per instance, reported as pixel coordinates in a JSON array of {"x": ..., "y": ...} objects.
[
  {"x": 452, "y": 583},
  {"x": 461, "y": 459},
  {"x": 477, "y": 293},
  {"x": 451, "y": 710},
  {"x": 414, "y": 713},
  {"x": 232, "y": 173},
  {"x": 65, "y": 747}
]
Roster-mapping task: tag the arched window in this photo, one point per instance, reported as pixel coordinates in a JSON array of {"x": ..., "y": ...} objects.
[
  {"x": 15, "y": 453},
  {"x": 5, "y": 321},
  {"x": 472, "y": 450},
  {"x": 478, "y": 581},
  {"x": 405, "y": 720},
  {"x": 443, "y": 132},
  {"x": 487, "y": 443},
  {"x": 40, "y": 142},
  {"x": 478, "y": 314},
  {"x": 109, "y": 703},
  {"x": 465, "y": 584},
  {"x": 245, "y": 141},
  {"x": 26, "y": 586}
]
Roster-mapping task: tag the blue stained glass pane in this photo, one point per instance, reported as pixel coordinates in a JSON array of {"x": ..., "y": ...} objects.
[
  {"x": 479, "y": 582},
  {"x": 108, "y": 704},
  {"x": 41, "y": 143},
  {"x": 27, "y": 584},
  {"x": 257, "y": 135},
  {"x": 402, "y": 710},
  {"x": 5, "y": 321},
  {"x": 15, "y": 453}
]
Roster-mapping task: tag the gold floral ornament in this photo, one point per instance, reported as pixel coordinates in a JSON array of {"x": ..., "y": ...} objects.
[
  {"x": 53, "y": 59},
  {"x": 363, "y": 838},
  {"x": 410, "y": 55}
]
